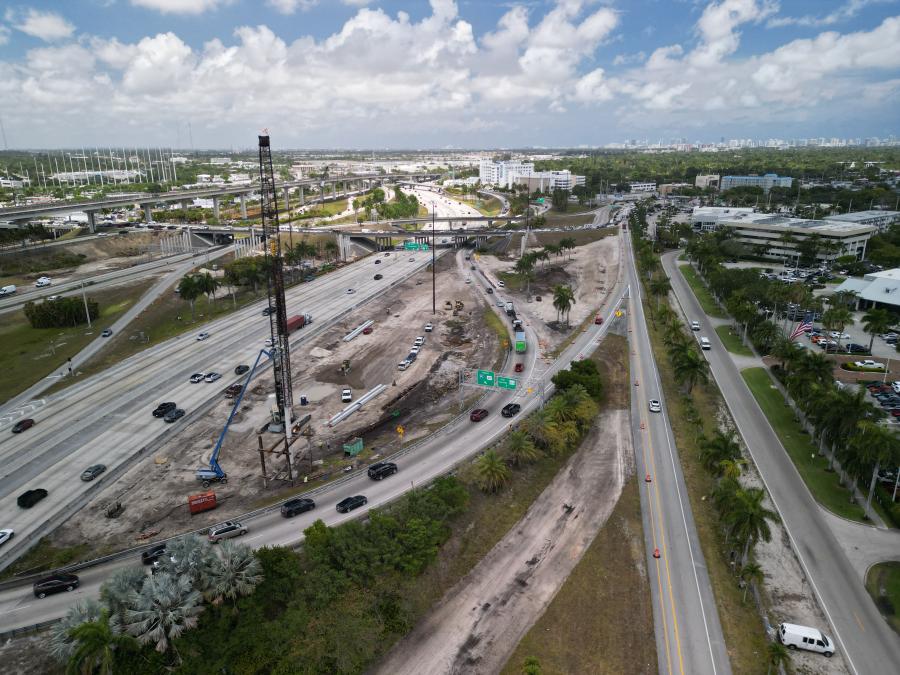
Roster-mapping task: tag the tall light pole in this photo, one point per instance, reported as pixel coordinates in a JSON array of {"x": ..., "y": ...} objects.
[{"x": 433, "y": 257}]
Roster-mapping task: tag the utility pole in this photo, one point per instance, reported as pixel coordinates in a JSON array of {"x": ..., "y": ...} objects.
[
  {"x": 433, "y": 257},
  {"x": 87, "y": 312}
]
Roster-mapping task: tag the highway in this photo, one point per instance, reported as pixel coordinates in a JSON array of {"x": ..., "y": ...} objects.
[
  {"x": 689, "y": 636},
  {"x": 860, "y": 633},
  {"x": 420, "y": 463}
]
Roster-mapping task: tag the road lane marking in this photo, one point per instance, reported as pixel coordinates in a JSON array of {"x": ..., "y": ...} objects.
[{"x": 861, "y": 627}]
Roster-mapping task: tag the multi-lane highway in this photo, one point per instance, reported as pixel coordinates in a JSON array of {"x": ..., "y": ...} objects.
[
  {"x": 861, "y": 634},
  {"x": 419, "y": 464},
  {"x": 689, "y": 638}
]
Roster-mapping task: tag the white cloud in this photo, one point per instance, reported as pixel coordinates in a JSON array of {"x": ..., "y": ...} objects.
[
  {"x": 846, "y": 11},
  {"x": 47, "y": 26},
  {"x": 4, "y": 35},
  {"x": 717, "y": 27},
  {"x": 180, "y": 6},
  {"x": 629, "y": 59},
  {"x": 291, "y": 6}
]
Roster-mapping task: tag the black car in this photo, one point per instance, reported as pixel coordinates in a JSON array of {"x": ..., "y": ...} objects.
[
  {"x": 510, "y": 409},
  {"x": 164, "y": 409},
  {"x": 268, "y": 310},
  {"x": 351, "y": 503},
  {"x": 151, "y": 555},
  {"x": 241, "y": 369},
  {"x": 174, "y": 415},
  {"x": 294, "y": 507},
  {"x": 378, "y": 277},
  {"x": 854, "y": 348},
  {"x": 92, "y": 472},
  {"x": 30, "y": 497},
  {"x": 55, "y": 583},
  {"x": 381, "y": 470},
  {"x": 22, "y": 425}
]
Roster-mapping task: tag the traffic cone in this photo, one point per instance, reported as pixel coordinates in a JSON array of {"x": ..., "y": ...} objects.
[{"x": 656, "y": 553}]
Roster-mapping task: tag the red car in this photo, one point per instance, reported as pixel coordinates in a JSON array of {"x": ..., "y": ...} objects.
[
  {"x": 598, "y": 319},
  {"x": 367, "y": 330},
  {"x": 478, "y": 414},
  {"x": 520, "y": 367},
  {"x": 22, "y": 425}
]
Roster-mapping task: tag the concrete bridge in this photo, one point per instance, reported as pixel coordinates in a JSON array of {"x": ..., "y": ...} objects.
[{"x": 22, "y": 214}]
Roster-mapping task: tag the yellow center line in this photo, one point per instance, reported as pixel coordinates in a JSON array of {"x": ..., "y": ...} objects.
[
  {"x": 662, "y": 533},
  {"x": 861, "y": 627}
]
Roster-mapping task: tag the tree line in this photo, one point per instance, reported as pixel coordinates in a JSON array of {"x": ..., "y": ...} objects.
[
  {"x": 524, "y": 268},
  {"x": 61, "y": 313}
]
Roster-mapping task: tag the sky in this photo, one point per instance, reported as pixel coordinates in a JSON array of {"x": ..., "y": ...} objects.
[{"x": 414, "y": 74}]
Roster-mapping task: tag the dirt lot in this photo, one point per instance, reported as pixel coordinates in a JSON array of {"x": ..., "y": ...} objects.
[
  {"x": 157, "y": 487},
  {"x": 590, "y": 269},
  {"x": 479, "y": 622}
]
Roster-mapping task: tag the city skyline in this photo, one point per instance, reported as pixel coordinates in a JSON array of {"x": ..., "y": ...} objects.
[{"x": 397, "y": 74}]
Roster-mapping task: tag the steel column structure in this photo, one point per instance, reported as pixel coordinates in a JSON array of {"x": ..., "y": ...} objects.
[{"x": 281, "y": 355}]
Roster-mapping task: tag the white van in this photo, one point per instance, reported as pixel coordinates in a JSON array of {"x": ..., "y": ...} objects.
[
  {"x": 7, "y": 290},
  {"x": 43, "y": 281},
  {"x": 794, "y": 636},
  {"x": 704, "y": 344}
]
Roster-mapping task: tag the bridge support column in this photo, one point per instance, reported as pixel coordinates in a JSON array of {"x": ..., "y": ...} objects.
[
  {"x": 216, "y": 207},
  {"x": 92, "y": 221},
  {"x": 185, "y": 205},
  {"x": 243, "y": 207},
  {"x": 302, "y": 196},
  {"x": 287, "y": 200},
  {"x": 333, "y": 191},
  {"x": 343, "y": 247},
  {"x": 148, "y": 213}
]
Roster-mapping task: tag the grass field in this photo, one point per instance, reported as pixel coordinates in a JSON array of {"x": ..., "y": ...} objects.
[
  {"x": 732, "y": 342},
  {"x": 703, "y": 295},
  {"x": 883, "y": 584},
  {"x": 553, "y": 219},
  {"x": 822, "y": 483},
  {"x": 31, "y": 354},
  {"x": 742, "y": 626},
  {"x": 581, "y": 237}
]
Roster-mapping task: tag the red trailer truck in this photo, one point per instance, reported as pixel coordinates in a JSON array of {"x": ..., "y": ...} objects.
[{"x": 298, "y": 321}]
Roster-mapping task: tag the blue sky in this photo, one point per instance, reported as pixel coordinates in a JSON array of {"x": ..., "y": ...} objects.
[{"x": 471, "y": 73}]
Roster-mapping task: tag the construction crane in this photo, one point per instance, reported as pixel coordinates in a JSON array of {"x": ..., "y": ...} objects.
[{"x": 281, "y": 354}]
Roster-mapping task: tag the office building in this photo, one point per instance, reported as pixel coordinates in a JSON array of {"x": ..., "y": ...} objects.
[
  {"x": 878, "y": 289},
  {"x": 548, "y": 181},
  {"x": 766, "y": 182},
  {"x": 777, "y": 237},
  {"x": 880, "y": 219},
  {"x": 504, "y": 174},
  {"x": 642, "y": 187},
  {"x": 707, "y": 181}
]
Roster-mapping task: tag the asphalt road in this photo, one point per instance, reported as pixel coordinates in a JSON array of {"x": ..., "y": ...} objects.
[
  {"x": 860, "y": 633},
  {"x": 420, "y": 463},
  {"x": 689, "y": 636}
]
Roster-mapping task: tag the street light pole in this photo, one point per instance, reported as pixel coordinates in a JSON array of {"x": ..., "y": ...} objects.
[
  {"x": 87, "y": 312},
  {"x": 433, "y": 288}
]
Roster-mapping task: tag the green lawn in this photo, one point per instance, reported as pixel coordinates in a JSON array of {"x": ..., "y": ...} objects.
[
  {"x": 883, "y": 584},
  {"x": 732, "y": 342},
  {"x": 703, "y": 295},
  {"x": 813, "y": 468}
]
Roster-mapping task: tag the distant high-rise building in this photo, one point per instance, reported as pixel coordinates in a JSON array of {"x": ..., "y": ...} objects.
[{"x": 766, "y": 182}]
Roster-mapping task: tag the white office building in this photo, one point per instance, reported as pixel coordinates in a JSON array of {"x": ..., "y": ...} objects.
[
  {"x": 548, "y": 181},
  {"x": 879, "y": 289},
  {"x": 880, "y": 219},
  {"x": 766, "y": 182},
  {"x": 707, "y": 180},
  {"x": 777, "y": 237},
  {"x": 642, "y": 187},
  {"x": 504, "y": 174},
  {"x": 706, "y": 218}
]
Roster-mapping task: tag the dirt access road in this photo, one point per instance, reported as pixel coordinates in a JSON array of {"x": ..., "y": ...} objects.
[{"x": 477, "y": 625}]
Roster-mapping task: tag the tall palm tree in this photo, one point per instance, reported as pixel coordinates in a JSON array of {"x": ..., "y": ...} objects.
[
  {"x": 563, "y": 299},
  {"x": 116, "y": 591},
  {"x": 209, "y": 285},
  {"x": 163, "y": 610},
  {"x": 543, "y": 255},
  {"x": 690, "y": 368},
  {"x": 659, "y": 288},
  {"x": 491, "y": 472},
  {"x": 189, "y": 289},
  {"x": 524, "y": 267},
  {"x": 331, "y": 248},
  {"x": 876, "y": 446},
  {"x": 235, "y": 572},
  {"x": 776, "y": 655},
  {"x": 731, "y": 468},
  {"x": 764, "y": 335},
  {"x": 751, "y": 573},
  {"x": 190, "y": 556},
  {"x": 837, "y": 318},
  {"x": 95, "y": 645},
  {"x": 537, "y": 425},
  {"x": 62, "y": 646},
  {"x": 521, "y": 448},
  {"x": 231, "y": 279},
  {"x": 749, "y": 519},
  {"x": 877, "y": 321},
  {"x": 720, "y": 448}
]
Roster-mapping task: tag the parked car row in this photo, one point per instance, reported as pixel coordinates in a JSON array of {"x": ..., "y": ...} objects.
[{"x": 414, "y": 350}]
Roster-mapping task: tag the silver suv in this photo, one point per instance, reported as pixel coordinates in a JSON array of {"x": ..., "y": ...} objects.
[{"x": 226, "y": 530}]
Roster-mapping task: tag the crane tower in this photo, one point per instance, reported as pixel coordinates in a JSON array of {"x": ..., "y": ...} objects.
[{"x": 281, "y": 354}]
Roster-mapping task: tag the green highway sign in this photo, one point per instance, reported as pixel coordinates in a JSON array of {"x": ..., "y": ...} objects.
[
  {"x": 423, "y": 247},
  {"x": 411, "y": 245},
  {"x": 506, "y": 383},
  {"x": 486, "y": 378}
]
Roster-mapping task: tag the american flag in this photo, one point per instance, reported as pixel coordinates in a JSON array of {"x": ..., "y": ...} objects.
[{"x": 803, "y": 326}]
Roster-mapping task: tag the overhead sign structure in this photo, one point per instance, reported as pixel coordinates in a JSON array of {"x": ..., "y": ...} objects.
[
  {"x": 506, "y": 382},
  {"x": 485, "y": 378},
  {"x": 411, "y": 245}
]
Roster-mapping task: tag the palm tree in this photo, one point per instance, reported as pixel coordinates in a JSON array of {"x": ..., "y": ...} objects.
[
  {"x": 777, "y": 655},
  {"x": 190, "y": 556},
  {"x": 543, "y": 255},
  {"x": 553, "y": 249},
  {"x": 751, "y": 573},
  {"x": 531, "y": 666},
  {"x": 877, "y": 321},
  {"x": 764, "y": 335},
  {"x": 690, "y": 368},
  {"x": 231, "y": 279},
  {"x": 116, "y": 591},
  {"x": 235, "y": 572},
  {"x": 209, "y": 285},
  {"x": 521, "y": 448},
  {"x": 189, "y": 289},
  {"x": 537, "y": 425},
  {"x": 731, "y": 468},
  {"x": 491, "y": 471},
  {"x": 95, "y": 645},
  {"x": 720, "y": 448},
  {"x": 524, "y": 268},
  {"x": 331, "y": 248},
  {"x": 659, "y": 288},
  {"x": 837, "y": 318},
  {"x": 748, "y": 519},
  {"x": 876, "y": 446},
  {"x": 62, "y": 646},
  {"x": 165, "y": 607},
  {"x": 563, "y": 299}
]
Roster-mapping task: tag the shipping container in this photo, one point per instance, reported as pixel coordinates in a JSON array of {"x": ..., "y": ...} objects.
[{"x": 204, "y": 501}]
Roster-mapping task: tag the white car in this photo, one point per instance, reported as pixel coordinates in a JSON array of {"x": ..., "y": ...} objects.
[
  {"x": 346, "y": 395},
  {"x": 695, "y": 325},
  {"x": 6, "y": 535},
  {"x": 202, "y": 336},
  {"x": 428, "y": 327},
  {"x": 212, "y": 377},
  {"x": 414, "y": 349},
  {"x": 837, "y": 335},
  {"x": 468, "y": 280},
  {"x": 869, "y": 363},
  {"x": 420, "y": 340},
  {"x": 501, "y": 284},
  {"x": 197, "y": 377},
  {"x": 655, "y": 405},
  {"x": 43, "y": 281}
]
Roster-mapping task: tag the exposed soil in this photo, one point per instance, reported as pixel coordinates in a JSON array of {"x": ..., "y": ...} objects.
[
  {"x": 420, "y": 399},
  {"x": 591, "y": 270}
]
